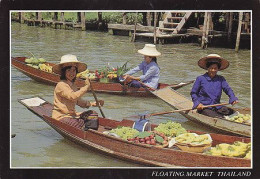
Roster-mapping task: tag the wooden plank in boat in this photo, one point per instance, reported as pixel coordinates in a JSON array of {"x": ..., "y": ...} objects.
[
  {"x": 173, "y": 98},
  {"x": 35, "y": 101}
]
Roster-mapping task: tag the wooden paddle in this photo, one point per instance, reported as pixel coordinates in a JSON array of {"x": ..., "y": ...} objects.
[
  {"x": 95, "y": 96},
  {"x": 180, "y": 110}
]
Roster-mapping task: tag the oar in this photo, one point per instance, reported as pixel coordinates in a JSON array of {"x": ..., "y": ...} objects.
[
  {"x": 95, "y": 96},
  {"x": 180, "y": 110}
]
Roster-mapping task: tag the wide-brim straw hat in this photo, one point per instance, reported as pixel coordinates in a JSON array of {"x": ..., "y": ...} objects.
[
  {"x": 149, "y": 50},
  {"x": 69, "y": 60},
  {"x": 213, "y": 58}
]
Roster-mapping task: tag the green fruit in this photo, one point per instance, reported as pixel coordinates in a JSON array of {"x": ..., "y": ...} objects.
[
  {"x": 41, "y": 60},
  {"x": 35, "y": 61},
  {"x": 28, "y": 60},
  {"x": 35, "y": 66}
]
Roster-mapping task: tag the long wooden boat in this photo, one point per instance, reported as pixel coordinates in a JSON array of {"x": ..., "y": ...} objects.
[
  {"x": 138, "y": 153},
  {"x": 179, "y": 101},
  {"x": 110, "y": 88}
]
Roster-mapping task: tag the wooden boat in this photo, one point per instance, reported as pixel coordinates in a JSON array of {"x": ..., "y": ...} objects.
[
  {"x": 179, "y": 101},
  {"x": 110, "y": 88},
  {"x": 138, "y": 153}
]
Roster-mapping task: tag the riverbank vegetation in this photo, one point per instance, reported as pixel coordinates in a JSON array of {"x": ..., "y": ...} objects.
[{"x": 107, "y": 17}]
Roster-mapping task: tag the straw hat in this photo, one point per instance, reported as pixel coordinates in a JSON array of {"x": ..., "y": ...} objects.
[
  {"x": 213, "y": 58},
  {"x": 69, "y": 60},
  {"x": 149, "y": 50}
]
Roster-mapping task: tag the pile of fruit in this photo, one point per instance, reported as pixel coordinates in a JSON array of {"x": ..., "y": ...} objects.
[
  {"x": 194, "y": 139},
  {"x": 170, "y": 129},
  {"x": 86, "y": 74},
  {"x": 45, "y": 67},
  {"x": 241, "y": 118},
  {"x": 237, "y": 149},
  {"x": 124, "y": 132},
  {"x": 34, "y": 62},
  {"x": 111, "y": 72},
  {"x": 150, "y": 138}
]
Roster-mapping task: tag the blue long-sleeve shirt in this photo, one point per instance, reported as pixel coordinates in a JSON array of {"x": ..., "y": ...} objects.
[
  {"x": 151, "y": 73},
  {"x": 208, "y": 91}
]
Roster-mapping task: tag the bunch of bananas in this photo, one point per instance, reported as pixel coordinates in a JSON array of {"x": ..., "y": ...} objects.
[
  {"x": 45, "y": 67},
  {"x": 241, "y": 118},
  {"x": 237, "y": 149},
  {"x": 112, "y": 75},
  {"x": 194, "y": 139},
  {"x": 34, "y": 62},
  {"x": 86, "y": 74}
]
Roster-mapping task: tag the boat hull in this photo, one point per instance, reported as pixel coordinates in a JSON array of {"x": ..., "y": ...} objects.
[
  {"x": 179, "y": 101},
  {"x": 109, "y": 88},
  {"x": 139, "y": 153}
]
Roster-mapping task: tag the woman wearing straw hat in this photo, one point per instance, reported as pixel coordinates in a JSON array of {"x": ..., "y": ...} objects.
[
  {"x": 66, "y": 93},
  {"x": 149, "y": 67},
  {"x": 207, "y": 88}
]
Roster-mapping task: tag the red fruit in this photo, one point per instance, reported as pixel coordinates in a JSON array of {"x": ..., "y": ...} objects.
[
  {"x": 151, "y": 136},
  {"x": 142, "y": 140},
  {"x": 137, "y": 141},
  {"x": 147, "y": 138},
  {"x": 153, "y": 142},
  {"x": 148, "y": 142}
]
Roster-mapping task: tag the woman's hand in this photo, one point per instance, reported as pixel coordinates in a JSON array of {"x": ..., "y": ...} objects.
[
  {"x": 200, "y": 106},
  {"x": 127, "y": 78},
  {"x": 87, "y": 83},
  {"x": 234, "y": 102},
  {"x": 94, "y": 104}
]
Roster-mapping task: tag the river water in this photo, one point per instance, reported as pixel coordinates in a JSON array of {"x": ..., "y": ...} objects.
[{"x": 38, "y": 145}]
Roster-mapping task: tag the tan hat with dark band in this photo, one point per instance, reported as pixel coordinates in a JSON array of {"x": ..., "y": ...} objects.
[
  {"x": 213, "y": 58},
  {"x": 69, "y": 60}
]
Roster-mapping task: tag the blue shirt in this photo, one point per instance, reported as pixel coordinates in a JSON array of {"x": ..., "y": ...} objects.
[
  {"x": 208, "y": 91},
  {"x": 151, "y": 73}
]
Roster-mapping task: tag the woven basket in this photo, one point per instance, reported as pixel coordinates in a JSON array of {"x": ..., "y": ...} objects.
[{"x": 193, "y": 148}]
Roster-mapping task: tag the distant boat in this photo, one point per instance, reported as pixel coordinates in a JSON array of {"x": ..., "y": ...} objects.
[{"x": 100, "y": 87}]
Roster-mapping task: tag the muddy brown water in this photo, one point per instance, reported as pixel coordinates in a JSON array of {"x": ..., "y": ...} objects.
[{"x": 37, "y": 145}]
